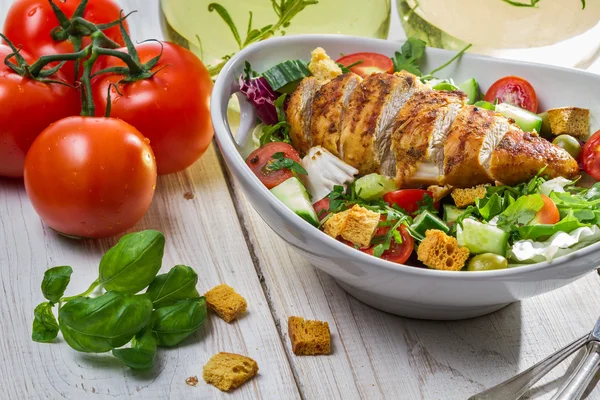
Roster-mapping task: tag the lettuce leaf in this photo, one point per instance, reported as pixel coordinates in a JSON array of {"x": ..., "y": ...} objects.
[{"x": 543, "y": 231}]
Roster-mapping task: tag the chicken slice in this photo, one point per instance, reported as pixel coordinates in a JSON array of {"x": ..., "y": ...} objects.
[
  {"x": 299, "y": 113},
  {"x": 472, "y": 137},
  {"x": 419, "y": 134},
  {"x": 521, "y": 155},
  {"x": 328, "y": 111},
  {"x": 365, "y": 142}
]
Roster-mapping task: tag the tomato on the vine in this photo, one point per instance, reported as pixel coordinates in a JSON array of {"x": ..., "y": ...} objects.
[
  {"x": 171, "y": 108},
  {"x": 90, "y": 177},
  {"x": 27, "y": 107},
  {"x": 29, "y": 24}
]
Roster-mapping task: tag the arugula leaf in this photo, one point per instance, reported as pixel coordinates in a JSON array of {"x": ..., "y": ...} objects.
[
  {"x": 346, "y": 68},
  {"x": 489, "y": 207},
  {"x": 279, "y": 132},
  {"x": 384, "y": 242},
  {"x": 544, "y": 231},
  {"x": 281, "y": 162},
  {"x": 520, "y": 212},
  {"x": 407, "y": 59},
  {"x": 592, "y": 193},
  {"x": 426, "y": 204}
]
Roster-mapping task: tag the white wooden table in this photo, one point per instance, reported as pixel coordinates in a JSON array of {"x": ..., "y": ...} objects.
[{"x": 375, "y": 355}]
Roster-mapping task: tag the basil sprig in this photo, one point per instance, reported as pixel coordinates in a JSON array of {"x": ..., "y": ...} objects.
[{"x": 168, "y": 312}]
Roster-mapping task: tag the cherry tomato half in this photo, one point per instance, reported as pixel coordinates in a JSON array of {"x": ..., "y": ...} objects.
[
  {"x": 398, "y": 252},
  {"x": 408, "y": 199},
  {"x": 90, "y": 177},
  {"x": 321, "y": 207},
  {"x": 513, "y": 90},
  {"x": 259, "y": 160},
  {"x": 548, "y": 214},
  {"x": 590, "y": 156},
  {"x": 370, "y": 63}
]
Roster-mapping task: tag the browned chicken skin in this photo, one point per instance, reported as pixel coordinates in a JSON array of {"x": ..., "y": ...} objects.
[{"x": 396, "y": 126}]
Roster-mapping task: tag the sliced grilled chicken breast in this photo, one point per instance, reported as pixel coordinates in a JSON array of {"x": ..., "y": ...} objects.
[
  {"x": 299, "y": 114},
  {"x": 419, "y": 134},
  {"x": 328, "y": 111},
  {"x": 365, "y": 142},
  {"x": 520, "y": 155}
]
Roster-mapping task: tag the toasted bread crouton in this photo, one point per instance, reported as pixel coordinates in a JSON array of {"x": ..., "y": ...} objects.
[
  {"x": 439, "y": 192},
  {"x": 309, "y": 337},
  {"x": 228, "y": 371},
  {"x": 357, "y": 225},
  {"x": 322, "y": 67},
  {"x": 466, "y": 197},
  {"x": 572, "y": 121},
  {"x": 440, "y": 251},
  {"x": 225, "y": 302}
]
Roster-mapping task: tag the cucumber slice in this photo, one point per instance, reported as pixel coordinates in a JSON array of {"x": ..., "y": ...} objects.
[
  {"x": 426, "y": 221},
  {"x": 293, "y": 194},
  {"x": 285, "y": 76},
  {"x": 526, "y": 120},
  {"x": 451, "y": 213},
  {"x": 471, "y": 88},
  {"x": 374, "y": 186},
  {"x": 482, "y": 238},
  {"x": 485, "y": 104},
  {"x": 545, "y": 130}
]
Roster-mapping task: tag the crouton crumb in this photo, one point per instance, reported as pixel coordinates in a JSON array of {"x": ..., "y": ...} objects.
[
  {"x": 440, "y": 251},
  {"x": 467, "y": 197},
  {"x": 228, "y": 371},
  {"x": 357, "y": 225},
  {"x": 225, "y": 302},
  {"x": 309, "y": 337},
  {"x": 322, "y": 67}
]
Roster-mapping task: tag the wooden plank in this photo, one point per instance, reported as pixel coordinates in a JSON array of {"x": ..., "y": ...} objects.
[
  {"x": 379, "y": 355},
  {"x": 203, "y": 232}
]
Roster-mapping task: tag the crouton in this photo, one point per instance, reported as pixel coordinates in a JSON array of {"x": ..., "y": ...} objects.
[
  {"x": 357, "y": 225},
  {"x": 572, "y": 121},
  {"x": 309, "y": 337},
  {"x": 439, "y": 192},
  {"x": 466, "y": 197},
  {"x": 228, "y": 371},
  {"x": 225, "y": 302},
  {"x": 440, "y": 251},
  {"x": 322, "y": 67}
]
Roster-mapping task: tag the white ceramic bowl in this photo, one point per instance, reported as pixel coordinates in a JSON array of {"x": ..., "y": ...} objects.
[{"x": 399, "y": 289}]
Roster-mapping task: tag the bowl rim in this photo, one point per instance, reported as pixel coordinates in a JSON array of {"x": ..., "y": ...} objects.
[{"x": 235, "y": 161}]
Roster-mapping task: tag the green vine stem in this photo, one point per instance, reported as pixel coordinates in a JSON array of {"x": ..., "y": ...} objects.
[{"x": 89, "y": 290}]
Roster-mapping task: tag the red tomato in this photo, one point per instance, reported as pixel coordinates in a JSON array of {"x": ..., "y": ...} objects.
[
  {"x": 27, "y": 107},
  {"x": 408, "y": 199},
  {"x": 171, "y": 108},
  {"x": 398, "y": 252},
  {"x": 371, "y": 63},
  {"x": 321, "y": 207},
  {"x": 90, "y": 177},
  {"x": 590, "y": 156},
  {"x": 513, "y": 90},
  {"x": 548, "y": 214},
  {"x": 259, "y": 160},
  {"x": 29, "y": 23}
]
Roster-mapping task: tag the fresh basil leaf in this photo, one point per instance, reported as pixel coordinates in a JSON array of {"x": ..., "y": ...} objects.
[
  {"x": 100, "y": 324},
  {"x": 45, "y": 327},
  {"x": 407, "y": 59},
  {"x": 521, "y": 212},
  {"x": 489, "y": 207},
  {"x": 173, "y": 324},
  {"x": 542, "y": 232},
  {"x": 141, "y": 354},
  {"x": 55, "y": 282},
  {"x": 133, "y": 262},
  {"x": 178, "y": 284}
]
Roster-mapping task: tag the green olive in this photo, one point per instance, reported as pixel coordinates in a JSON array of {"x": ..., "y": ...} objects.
[
  {"x": 487, "y": 262},
  {"x": 569, "y": 143}
]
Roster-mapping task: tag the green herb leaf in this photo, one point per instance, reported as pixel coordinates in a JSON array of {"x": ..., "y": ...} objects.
[
  {"x": 282, "y": 162},
  {"x": 426, "y": 204},
  {"x": 521, "y": 212},
  {"x": 45, "y": 328},
  {"x": 133, "y": 262},
  {"x": 227, "y": 18},
  {"x": 100, "y": 324},
  {"x": 173, "y": 324},
  {"x": 489, "y": 207},
  {"x": 55, "y": 282},
  {"x": 178, "y": 284},
  {"x": 275, "y": 133},
  {"x": 532, "y": 3},
  {"x": 141, "y": 354},
  {"x": 407, "y": 59},
  {"x": 346, "y": 68},
  {"x": 542, "y": 232}
]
